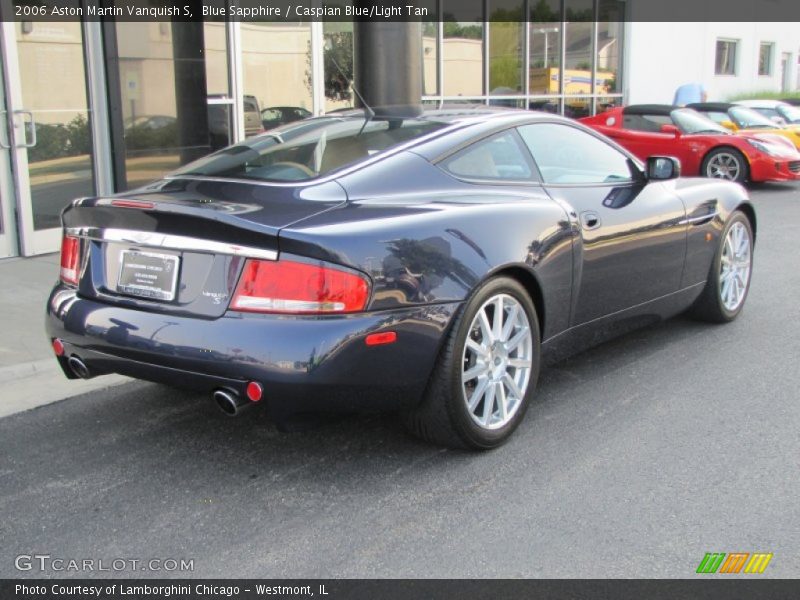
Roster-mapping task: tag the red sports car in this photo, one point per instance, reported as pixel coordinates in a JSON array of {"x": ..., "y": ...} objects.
[{"x": 703, "y": 147}]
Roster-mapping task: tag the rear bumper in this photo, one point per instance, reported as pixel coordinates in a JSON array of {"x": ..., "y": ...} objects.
[{"x": 303, "y": 363}]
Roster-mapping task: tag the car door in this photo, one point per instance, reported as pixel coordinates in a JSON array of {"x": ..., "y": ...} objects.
[
  {"x": 632, "y": 240},
  {"x": 641, "y": 134}
]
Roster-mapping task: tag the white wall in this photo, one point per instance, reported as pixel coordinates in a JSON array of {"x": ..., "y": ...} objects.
[{"x": 662, "y": 56}]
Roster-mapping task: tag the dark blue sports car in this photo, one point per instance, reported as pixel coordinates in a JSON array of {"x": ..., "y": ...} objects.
[{"x": 427, "y": 264}]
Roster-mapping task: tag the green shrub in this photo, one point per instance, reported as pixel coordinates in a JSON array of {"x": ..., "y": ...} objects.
[{"x": 764, "y": 95}]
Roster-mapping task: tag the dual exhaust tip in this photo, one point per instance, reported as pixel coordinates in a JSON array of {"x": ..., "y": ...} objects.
[
  {"x": 232, "y": 403},
  {"x": 228, "y": 401},
  {"x": 79, "y": 367}
]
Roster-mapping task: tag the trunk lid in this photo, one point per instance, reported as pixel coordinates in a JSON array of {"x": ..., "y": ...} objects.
[{"x": 178, "y": 246}]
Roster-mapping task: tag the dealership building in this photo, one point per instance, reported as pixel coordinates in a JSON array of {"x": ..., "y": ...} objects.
[{"x": 102, "y": 107}]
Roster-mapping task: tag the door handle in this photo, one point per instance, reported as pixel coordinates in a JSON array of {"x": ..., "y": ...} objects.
[
  {"x": 32, "y": 124},
  {"x": 590, "y": 220}
]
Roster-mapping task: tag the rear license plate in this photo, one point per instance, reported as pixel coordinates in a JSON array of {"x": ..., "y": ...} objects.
[{"x": 148, "y": 275}]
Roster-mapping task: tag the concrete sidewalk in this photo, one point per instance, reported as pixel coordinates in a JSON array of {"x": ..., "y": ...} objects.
[{"x": 29, "y": 375}]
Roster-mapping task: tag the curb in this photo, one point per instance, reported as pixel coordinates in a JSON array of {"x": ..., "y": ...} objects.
[{"x": 37, "y": 383}]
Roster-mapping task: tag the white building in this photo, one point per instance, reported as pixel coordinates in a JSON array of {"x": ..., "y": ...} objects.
[{"x": 727, "y": 58}]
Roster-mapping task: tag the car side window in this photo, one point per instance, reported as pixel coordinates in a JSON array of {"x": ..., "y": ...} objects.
[
  {"x": 568, "y": 155},
  {"x": 496, "y": 158},
  {"x": 649, "y": 123}
]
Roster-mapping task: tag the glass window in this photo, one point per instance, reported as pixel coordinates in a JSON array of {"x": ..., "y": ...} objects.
[
  {"x": 604, "y": 104},
  {"x": 499, "y": 157},
  {"x": 309, "y": 149},
  {"x": 276, "y": 73},
  {"x": 578, "y": 66},
  {"x": 53, "y": 79},
  {"x": 462, "y": 55},
  {"x": 650, "y": 123},
  {"x": 747, "y": 118},
  {"x": 611, "y": 21},
  {"x": 691, "y": 121},
  {"x": 789, "y": 113},
  {"x": 173, "y": 90},
  {"x": 568, "y": 155},
  {"x": 725, "y": 63},
  {"x": 765, "y": 58},
  {"x": 506, "y": 47},
  {"x": 430, "y": 58},
  {"x": 338, "y": 65},
  {"x": 544, "y": 30}
]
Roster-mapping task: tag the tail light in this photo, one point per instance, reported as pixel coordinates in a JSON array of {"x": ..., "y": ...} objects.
[
  {"x": 70, "y": 259},
  {"x": 285, "y": 286}
]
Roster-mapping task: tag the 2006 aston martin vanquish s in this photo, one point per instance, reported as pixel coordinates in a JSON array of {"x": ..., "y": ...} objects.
[{"x": 426, "y": 264}]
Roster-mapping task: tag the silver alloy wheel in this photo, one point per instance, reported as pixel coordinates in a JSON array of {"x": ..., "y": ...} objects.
[
  {"x": 735, "y": 267},
  {"x": 497, "y": 361},
  {"x": 724, "y": 166}
]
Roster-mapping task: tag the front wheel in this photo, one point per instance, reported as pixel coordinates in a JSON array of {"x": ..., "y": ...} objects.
[
  {"x": 729, "y": 278},
  {"x": 486, "y": 373},
  {"x": 726, "y": 163}
]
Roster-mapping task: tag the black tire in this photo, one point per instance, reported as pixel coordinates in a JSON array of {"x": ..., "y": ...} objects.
[
  {"x": 743, "y": 167},
  {"x": 443, "y": 417},
  {"x": 710, "y": 305}
]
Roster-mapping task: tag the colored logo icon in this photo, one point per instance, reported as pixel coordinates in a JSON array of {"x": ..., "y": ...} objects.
[{"x": 736, "y": 562}]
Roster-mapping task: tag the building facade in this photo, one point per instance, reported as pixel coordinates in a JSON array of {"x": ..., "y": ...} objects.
[{"x": 97, "y": 108}]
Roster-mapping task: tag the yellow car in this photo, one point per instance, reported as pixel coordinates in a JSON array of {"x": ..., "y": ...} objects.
[{"x": 739, "y": 118}]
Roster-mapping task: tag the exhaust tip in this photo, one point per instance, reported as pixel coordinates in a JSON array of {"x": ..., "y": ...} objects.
[
  {"x": 79, "y": 367},
  {"x": 228, "y": 402}
]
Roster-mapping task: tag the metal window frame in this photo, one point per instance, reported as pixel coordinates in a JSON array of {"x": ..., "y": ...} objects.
[
  {"x": 441, "y": 98},
  {"x": 99, "y": 116}
]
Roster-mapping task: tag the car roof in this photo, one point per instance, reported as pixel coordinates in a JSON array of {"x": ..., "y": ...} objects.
[
  {"x": 715, "y": 106},
  {"x": 649, "y": 109},
  {"x": 460, "y": 114}
]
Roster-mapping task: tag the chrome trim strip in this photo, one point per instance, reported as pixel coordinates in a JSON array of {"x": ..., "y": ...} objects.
[
  {"x": 707, "y": 217},
  {"x": 172, "y": 242}
]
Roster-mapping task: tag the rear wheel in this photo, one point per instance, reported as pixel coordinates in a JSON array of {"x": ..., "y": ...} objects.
[
  {"x": 726, "y": 163},
  {"x": 729, "y": 279},
  {"x": 486, "y": 373}
]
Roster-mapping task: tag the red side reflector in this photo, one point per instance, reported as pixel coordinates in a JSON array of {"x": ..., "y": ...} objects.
[
  {"x": 378, "y": 339},
  {"x": 132, "y": 204},
  {"x": 254, "y": 391},
  {"x": 70, "y": 259},
  {"x": 58, "y": 347}
]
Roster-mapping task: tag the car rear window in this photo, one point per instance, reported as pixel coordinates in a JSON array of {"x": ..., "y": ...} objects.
[{"x": 309, "y": 149}]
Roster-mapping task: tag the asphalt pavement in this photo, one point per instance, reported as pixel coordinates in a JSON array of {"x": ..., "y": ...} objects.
[{"x": 636, "y": 458}]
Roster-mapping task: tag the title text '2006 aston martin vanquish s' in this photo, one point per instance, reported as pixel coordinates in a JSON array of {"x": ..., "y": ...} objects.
[{"x": 426, "y": 264}]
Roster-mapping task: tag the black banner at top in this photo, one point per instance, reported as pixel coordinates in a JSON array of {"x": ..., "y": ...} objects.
[{"x": 403, "y": 10}]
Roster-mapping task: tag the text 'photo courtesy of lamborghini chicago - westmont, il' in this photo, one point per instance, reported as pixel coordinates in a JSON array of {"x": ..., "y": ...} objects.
[{"x": 426, "y": 264}]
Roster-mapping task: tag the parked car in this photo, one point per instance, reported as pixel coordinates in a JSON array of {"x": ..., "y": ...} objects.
[
  {"x": 426, "y": 265},
  {"x": 702, "y": 146},
  {"x": 280, "y": 115},
  {"x": 741, "y": 118},
  {"x": 150, "y": 122},
  {"x": 781, "y": 112},
  {"x": 219, "y": 120}
]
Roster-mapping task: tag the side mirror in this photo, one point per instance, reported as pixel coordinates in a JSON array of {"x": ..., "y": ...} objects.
[
  {"x": 729, "y": 125},
  {"x": 670, "y": 129},
  {"x": 660, "y": 168}
]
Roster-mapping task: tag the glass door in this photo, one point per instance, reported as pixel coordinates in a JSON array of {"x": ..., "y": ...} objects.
[
  {"x": 48, "y": 125},
  {"x": 8, "y": 240}
]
